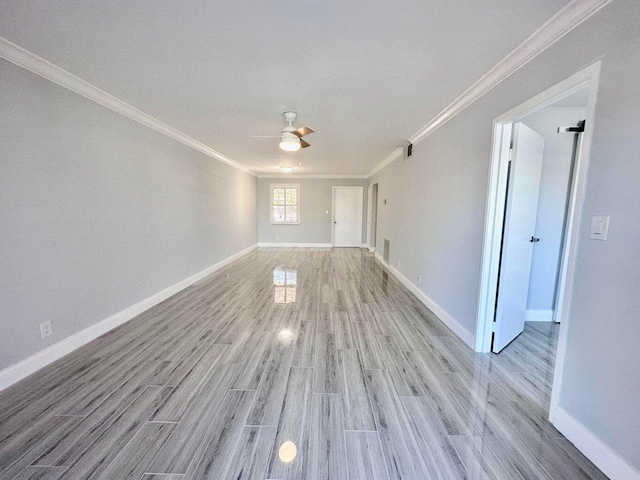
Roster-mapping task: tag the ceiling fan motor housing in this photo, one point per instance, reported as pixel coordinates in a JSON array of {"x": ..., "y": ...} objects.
[{"x": 289, "y": 141}]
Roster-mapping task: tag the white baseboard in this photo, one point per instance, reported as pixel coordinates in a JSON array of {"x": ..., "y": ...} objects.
[
  {"x": 295, "y": 245},
  {"x": 465, "y": 335},
  {"x": 18, "y": 371},
  {"x": 364, "y": 245},
  {"x": 601, "y": 454},
  {"x": 372, "y": 249},
  {"x": 538, "y": 316},
  {"x": 379, "y": 258}
]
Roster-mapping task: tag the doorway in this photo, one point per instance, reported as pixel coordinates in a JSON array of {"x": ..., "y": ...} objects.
[
  {"x": 542, "y": 155},
  {"x": 372, "y": 216},
  {"x": 503, "y": 128},
  {"x": 347, "y": 216}
]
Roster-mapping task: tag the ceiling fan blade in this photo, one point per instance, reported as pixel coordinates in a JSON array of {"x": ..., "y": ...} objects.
[
  {"x": 304, "y": 144},
  {"x": 302, "y": 131},
  {"x": 265, "y": 136}
]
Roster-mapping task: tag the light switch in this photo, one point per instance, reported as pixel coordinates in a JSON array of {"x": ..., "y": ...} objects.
[{"x": 599, "y": 227}]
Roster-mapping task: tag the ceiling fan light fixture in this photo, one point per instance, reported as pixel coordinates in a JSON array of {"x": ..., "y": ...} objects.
[
  {"x": 289, "y": 142},
  {"x": 286, "y": 169}
]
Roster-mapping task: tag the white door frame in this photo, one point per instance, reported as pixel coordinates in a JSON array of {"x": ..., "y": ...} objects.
[
  {"x": 502, "y": 125},
  {"x": 372, "y": 216},
  {"x": 369, "y": 214},
  {"x": 333, "y": 208}
]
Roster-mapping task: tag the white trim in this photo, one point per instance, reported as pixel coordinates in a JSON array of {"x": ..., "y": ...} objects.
[
  {"x": 569, "y": 249},
  {"x": 309, "y": 175},
  {"x": 539, "y": 316},
  {"x": 380, "y": 259},
  {"x": 369, "y": 213},
  {"x": 465, "y": 335},
  {"x": 18, "y": 371},
  {"x": 364, "y": 245},
  {"x": 587, "y": 78},
  {"x": 566, "y": 88},
  {"x": 396, "y": 154},
  {"x": 496, "y": 197},
  {"x": 563, "y": 22},
  {"x": 372, "y": 214},
  {"x": 293, "y": 245},
  {"x": 612, "y": 465},
  {"x": 30, "y": 61}
]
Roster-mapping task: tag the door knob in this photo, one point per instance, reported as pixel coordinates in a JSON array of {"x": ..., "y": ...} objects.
[{"x": 534, "y": 239}]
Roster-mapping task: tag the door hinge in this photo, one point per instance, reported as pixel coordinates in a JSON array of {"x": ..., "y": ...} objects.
[
  {"x": 493, "y": 326},
  {"x": 510, "y": 154}
]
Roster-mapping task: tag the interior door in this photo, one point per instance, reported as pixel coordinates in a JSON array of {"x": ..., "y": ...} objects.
[
  {"x": 519, "y": 234},
  {"x": 347, "y": 216}
]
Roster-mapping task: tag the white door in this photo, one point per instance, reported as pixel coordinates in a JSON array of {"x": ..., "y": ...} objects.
[
  {"x": 519, "y": 234},
  {"x": 347, "y": 216}
]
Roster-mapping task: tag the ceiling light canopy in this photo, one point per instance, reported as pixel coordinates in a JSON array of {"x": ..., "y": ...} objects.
[{"x": 286, "y": 169}]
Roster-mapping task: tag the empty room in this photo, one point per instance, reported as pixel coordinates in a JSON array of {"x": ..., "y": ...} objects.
[{"x": 309, "y": 239}]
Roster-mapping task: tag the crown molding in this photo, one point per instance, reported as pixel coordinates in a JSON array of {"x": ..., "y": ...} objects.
[
  {"x": 38, "y": 65},
  {"x": 397, "y": 153},
  {"x": 309, "y": 175},
  {"x": 564, "y": 21},
  {"x": 559, "y": 25}
]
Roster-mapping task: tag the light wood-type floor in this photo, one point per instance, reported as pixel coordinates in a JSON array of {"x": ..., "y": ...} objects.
[{"x": 366, "y": 384}]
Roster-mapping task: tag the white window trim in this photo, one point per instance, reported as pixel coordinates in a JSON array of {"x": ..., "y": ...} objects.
[{"x": 283, "y": 185}]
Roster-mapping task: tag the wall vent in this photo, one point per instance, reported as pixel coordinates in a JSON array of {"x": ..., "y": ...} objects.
[
  {"x": 385, "y": 253},
  {"x": 407, "y": 150}
]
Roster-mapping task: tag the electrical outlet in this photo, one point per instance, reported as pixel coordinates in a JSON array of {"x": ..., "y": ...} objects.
[
  {"x": 419, "y": 278},
  {"x": 46, "y": 329}
]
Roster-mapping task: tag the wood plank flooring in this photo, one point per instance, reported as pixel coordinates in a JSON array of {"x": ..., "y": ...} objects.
[{"x": 317, "y": 349}]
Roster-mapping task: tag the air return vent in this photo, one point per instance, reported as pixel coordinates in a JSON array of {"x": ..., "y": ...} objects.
[{"x": 407, "y": 150}]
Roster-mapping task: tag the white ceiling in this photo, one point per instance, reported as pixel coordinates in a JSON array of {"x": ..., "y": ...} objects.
[{"x": 365, "y": 76}]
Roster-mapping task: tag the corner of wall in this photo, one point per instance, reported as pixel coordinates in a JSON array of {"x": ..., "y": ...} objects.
[{"x": 612, "y": 464}]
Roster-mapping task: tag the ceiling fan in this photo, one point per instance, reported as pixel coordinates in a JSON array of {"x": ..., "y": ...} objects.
[{"x": 290, "y": 137}]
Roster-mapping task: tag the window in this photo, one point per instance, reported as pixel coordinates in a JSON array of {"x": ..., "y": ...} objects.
[{"x": 285, "y": 204}]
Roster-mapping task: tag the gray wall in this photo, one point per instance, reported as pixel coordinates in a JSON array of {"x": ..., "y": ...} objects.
[
  {"x": 554, "y": 185},
  {"x": 436, "y": 204},
  {"x": 98, "y": 212},
  {"x": 315, "y": 200}
]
